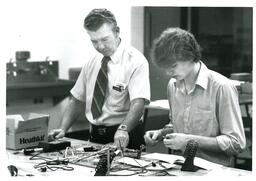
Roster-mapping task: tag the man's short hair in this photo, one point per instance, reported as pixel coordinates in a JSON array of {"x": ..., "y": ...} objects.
[
  {"x": 175, "y": 44},
  {"x": 97, "y": 17}
]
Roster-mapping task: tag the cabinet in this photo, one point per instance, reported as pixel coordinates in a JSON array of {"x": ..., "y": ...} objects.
[
  {"x": 35, "y": 87},
  {"x": 156, "y": 20}
]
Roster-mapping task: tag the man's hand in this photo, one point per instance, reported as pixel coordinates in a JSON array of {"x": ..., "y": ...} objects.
[
  {"x": 176, "y": 141},
  {"x": 153, "y": 137},
  {"x": 122, "y": 137},
  {"x": 56, "y": 134}
]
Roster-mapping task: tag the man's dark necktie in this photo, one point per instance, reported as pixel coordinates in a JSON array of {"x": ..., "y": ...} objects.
[{"x": 100, "y": 89}]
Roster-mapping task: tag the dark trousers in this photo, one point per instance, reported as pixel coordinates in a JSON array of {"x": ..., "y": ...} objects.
[{"x": 105, "y": 134}]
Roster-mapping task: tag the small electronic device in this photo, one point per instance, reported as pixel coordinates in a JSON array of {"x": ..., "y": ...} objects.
[
  {"x": 28, "y": 151},
  {"x": 189, "y": 154},
  {"x": 134, "y": 153},
  {"x": 48, "y": 147},
  {"x": 102, "y": 166},
  {"x": 90, "y": 149},
  {"x": 54, "y": 145}
]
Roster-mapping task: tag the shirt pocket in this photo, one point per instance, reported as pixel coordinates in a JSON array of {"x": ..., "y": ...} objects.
[
  {"x": 119, "y": 99},
  {"x": 202, "y": 121}
]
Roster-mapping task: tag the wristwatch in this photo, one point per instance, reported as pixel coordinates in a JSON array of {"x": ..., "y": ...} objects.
[{"x": 122, "y": 127}]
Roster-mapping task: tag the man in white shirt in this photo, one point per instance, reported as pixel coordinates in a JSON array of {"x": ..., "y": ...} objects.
[
  {"x": 115, "y": 117},
  {"x": 204, "y": 104}
]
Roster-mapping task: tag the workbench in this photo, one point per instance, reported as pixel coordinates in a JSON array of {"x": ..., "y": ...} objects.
[{"x": 26, "y": 167}]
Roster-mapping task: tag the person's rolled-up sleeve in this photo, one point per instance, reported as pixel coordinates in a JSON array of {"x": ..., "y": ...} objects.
[
  {"x": 139, "y": 86},
  {"x": 232, "y": 137},
  {"x": 79, "y": 89}
]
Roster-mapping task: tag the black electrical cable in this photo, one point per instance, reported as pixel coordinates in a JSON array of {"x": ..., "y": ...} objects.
[
  {"x": 136, "y": 170},
  {"x": 35, "y": 156}
]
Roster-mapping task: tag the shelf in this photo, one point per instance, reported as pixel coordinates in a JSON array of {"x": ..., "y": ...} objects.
[{"x": 58, "y": 90}]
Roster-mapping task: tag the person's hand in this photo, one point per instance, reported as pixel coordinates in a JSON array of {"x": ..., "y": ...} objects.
[
  {"x": 56, "y": 134},
  {"x": 176, "y": 141},
  {"x": 152, "y": 137},
  {"x": 121, "y": 137}
]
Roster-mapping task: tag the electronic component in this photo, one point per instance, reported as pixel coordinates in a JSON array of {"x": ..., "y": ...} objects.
[
  {"x": 28, "y": 151},
  {"x": 104, "y": 162},
  {"x": 90, "y": 149},
  {"x": 134, "y": 153},
  {"x": 153, "y": 164},
  {"x": 189, "y": 154}
]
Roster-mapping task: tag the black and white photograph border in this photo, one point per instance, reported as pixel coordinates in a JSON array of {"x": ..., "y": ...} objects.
[{"x": 53, "y": 30}]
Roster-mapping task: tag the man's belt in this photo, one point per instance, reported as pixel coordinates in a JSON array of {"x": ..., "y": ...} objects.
[{"x": 103, "y": 130}]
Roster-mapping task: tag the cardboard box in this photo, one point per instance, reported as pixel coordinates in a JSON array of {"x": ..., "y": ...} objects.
[{"x": 25, "y": 131}]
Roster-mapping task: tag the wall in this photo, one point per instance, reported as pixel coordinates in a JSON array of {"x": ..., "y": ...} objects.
[
  {"x": 137, "y": 27},
  {"x": 54, "y": 29},
  {"x": 157, "y": 19},
  {"x": 222, "y": 17}
]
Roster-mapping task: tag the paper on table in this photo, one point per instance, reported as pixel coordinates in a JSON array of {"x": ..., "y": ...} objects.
[
  {"x": 172, "y": 158},
  {"x": 206, "y": 164},
  {"x": 163, "y": 103},
  {"x": 163, "y": 157}
]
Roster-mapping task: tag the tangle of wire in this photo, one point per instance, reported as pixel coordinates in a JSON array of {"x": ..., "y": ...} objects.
[
  {"x": 139, "y": 170},
  {"x": 55, "y": 164},
  {"x": 70, "y": 156}
]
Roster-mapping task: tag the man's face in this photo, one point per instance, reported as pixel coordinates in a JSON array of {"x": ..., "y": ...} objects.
[
  {"x": 105, "y": 40},
  {"x": 180, "y": 69}
]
